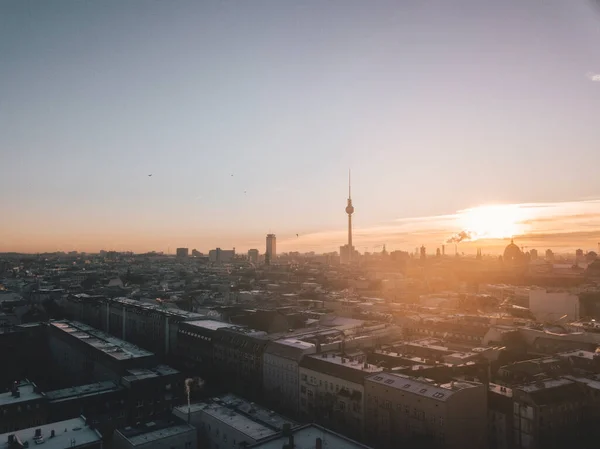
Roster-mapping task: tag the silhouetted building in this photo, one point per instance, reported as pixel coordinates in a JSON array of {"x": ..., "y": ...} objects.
[
  {"x": 548, "y": 414},
  {"x": 85, "y": 355},
  {"x": 403, "y": 410},
  {"x": 271, "y": 251},
  {"x": 182, "y": 252},
  {"x": 253, "y": 256},
  {"x": 238, "y": 358},
  {"x": 219, "y": 255}
]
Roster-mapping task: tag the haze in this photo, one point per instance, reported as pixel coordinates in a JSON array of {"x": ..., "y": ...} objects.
[{"x": 249, "y": 113}]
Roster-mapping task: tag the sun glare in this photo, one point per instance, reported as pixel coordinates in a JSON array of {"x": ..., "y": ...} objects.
[{"x": 493, "y": 222}]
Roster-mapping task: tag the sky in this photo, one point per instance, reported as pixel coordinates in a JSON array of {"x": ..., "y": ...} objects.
[{"x": 248, "y": 115}]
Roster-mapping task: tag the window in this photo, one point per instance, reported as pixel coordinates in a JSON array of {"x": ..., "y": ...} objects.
[
  {"x": 406, "y": 386},
  {"x": 424, "y": 390},
  {"x": 438, "y": 395},
  {"x": 389, "y": 381},
  {"x": 378, "y": 378}
]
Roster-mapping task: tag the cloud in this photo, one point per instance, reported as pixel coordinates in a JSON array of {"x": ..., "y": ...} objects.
[
  {"x": 594, "y": 76},
  {"x": 557, "y": 225}
]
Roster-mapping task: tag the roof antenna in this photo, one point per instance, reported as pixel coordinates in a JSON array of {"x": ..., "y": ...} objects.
[{"x": 349, "y": 184}]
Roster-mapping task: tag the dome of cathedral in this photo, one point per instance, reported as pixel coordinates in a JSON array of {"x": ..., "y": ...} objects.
[{"x": 512, "y": 253}]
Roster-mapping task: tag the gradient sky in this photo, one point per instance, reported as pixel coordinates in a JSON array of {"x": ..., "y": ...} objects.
[{"x": 436, "y": 105}]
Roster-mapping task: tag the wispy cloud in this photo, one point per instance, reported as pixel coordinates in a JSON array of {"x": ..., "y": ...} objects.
[
  {"x": 559, "y": 225},
  {"x": 594, "y": 76}
]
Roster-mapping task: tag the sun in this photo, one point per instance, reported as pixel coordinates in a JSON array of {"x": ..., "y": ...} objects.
[{"x": 493, "y": 222}]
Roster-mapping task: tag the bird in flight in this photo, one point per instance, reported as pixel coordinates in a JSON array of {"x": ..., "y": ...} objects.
[
  {"x": 150, "y": 174},
  {"x": 297, "y": 235}
]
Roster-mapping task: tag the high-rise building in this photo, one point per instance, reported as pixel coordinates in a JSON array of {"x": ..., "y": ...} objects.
[
  {"x": 346, "y": 252},
  {"x": 533, "y": 253},
  {"x": 253, "y": 255},
  {"x": 182, "y": 252},
  {"x": 271, "y": 247},
  {"x": 219, "y": 255}
]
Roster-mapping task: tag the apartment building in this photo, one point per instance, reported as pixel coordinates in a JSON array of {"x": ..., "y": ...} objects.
[
  {"x": 332, "y": 391},
  {"x": 416, "y": 411}
]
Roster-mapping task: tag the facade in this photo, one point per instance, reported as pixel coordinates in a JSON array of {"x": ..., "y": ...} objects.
[
  {"x": 271, "y": 251},
  {"x": 158, "y": 434},
  {"x": 281, "y": 372},
  {"x": 552, "y": 306},
  {"x": 332, "y": 392},
  {"x": 548, "y": 414},
  {"x": 182, "y": 252},
  {"x": 238, "y": 358},
  {"x": 83, "y": 354},
  {"x": 229, "y": 422},
  {"x": 413, "y": 411},
  {"x": 309, "y": 436},
  {"x": 221, "y": 255},
  {"x": 22, "y": 407},
  {"x": 195, "y": 344},
  {"x": 151, "y": 326},
  {"x": 500, "y": 417},
  {"x": 102, "y": 403},
  {"x": 70, "y": 434},
  {"x": 253, "y": 256}
]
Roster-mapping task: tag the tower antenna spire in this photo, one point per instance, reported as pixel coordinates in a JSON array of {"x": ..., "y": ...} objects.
[{"x": 349, "y": 184}]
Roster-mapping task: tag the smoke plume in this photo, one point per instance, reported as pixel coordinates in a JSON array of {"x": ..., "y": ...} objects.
[{"x": 460, "y": 237}]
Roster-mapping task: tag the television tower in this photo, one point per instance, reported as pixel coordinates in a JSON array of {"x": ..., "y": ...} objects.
[{"x": 349, "y": 211}]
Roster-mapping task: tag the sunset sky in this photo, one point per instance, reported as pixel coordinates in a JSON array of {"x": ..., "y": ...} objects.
[{"x": 437, "y": 106}]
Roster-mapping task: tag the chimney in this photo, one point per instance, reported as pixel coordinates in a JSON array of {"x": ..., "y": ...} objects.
[
  {"x": 291, "y": 442},
  {"x": 287, "y": 430},
  {"x": 319, "y": 443}
]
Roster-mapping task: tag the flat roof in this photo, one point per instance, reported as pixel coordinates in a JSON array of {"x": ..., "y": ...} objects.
[
  {"x": 82, "y": 391},
  {"x": 295, "y": 343},
  {"x": 144, "y": 373},
  {"x": 544, "y": 384},
  {"x": 26, "y": 393},
  {"x": 68, "y": 434},
  {"x": 155, "y": 430},
  {"x": 159, "y": 309},
  {"x": 212, "y": 325},
  {"x": 420, "y": 386},
  {"x": 305, "y": 437},
  {"x": 114, "y": 347},
  {"x": 252, "y": 420}
]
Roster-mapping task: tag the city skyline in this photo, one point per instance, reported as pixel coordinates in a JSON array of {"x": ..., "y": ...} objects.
[
  {"x": 256, "y": 110},
  {"x": 563, "y": 227}
]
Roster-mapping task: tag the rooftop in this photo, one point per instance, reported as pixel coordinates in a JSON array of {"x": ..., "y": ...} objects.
[
  {"x": 183, "y": 314},
  {"x": 545, "y": 384},
  {"x": 338, "y": 366},
  {"x": 27, "y": 392},
  {"x": 154, "y": 431},
  {"x": 421, "y": 386},
  {"x": 68, "y": 434},
  {"x": 252, "y": 420},
  {"x": 82, "y": 391},
  {"x": 501, "y": 389},
  {"x": 212, "y": 325},
  {"x": 143, "y": 373},
  {"x": 114, "y": 347},
  {"x": 305, "y": 437}
]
